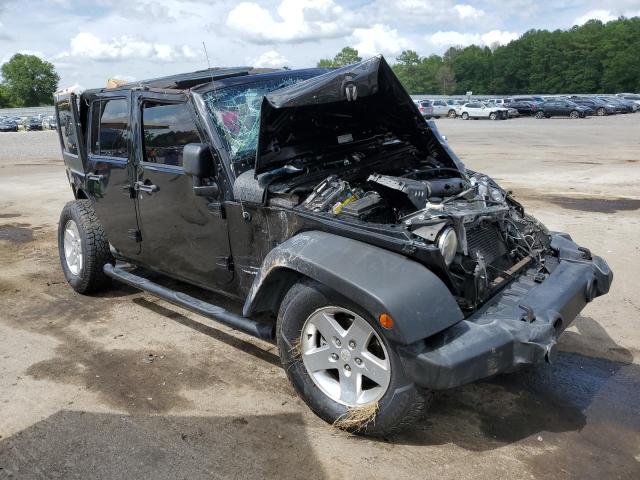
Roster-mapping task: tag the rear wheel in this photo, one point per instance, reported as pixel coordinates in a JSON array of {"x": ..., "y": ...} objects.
[
  {"x": 601, "y": 112},
  {"x": 465, "y": 116},
  {"x": 340, "y": 363},
  {"x": 539, "y": 114},
  {"x": 493, "y": 116},
  {"x": 452, "y": 114},
  {"x": 83, "y": 247},
  {"x": 574, "y": 114}
]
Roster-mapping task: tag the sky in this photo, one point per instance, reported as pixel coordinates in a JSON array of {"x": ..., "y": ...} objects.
[{"x": 89, "y": 42}]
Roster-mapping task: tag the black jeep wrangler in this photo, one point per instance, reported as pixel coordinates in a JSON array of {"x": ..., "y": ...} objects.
[{"x": 335, "y": 214}]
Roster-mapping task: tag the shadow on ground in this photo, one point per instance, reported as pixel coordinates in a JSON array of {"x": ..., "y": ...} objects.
[{"x": 80, "y": 445}]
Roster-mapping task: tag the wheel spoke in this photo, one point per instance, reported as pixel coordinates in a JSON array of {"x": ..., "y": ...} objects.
[
  {"x": 360, "y": 331},
  {"x": 318, "y": 359},
  {"x": 374, "y": 368},
  {"x": 350, "y": 387},
  {"x": 327, "y": 325}
]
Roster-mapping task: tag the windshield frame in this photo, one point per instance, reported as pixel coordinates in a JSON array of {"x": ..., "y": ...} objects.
[{"x": 222, "y": 141}]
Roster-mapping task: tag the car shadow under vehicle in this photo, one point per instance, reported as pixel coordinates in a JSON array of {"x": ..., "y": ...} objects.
[{"x": 79, "y": 444}]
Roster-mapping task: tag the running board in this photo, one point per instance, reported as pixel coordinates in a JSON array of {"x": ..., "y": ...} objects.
[{"x": 213, "y": 312}]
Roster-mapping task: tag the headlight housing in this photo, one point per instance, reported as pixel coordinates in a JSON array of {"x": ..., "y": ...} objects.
[{"x": 447, "y": 242}]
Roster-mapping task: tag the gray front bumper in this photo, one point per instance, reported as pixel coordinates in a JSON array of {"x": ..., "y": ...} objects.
[{"x": 519, "y": 326}]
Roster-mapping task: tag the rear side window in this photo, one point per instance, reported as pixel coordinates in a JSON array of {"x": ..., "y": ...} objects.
[
  {"x": 110, "y": 128},
  {"x": 167, "y": 128},
  {"x": 67, "y": 128}
]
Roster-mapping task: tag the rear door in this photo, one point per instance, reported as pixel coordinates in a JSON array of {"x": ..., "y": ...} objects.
[
  {"x": 110, "y": 170},
  {"x": 183, "y": 235}
]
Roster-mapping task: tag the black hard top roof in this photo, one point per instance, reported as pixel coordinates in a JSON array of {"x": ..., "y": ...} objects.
[{"x": 210, "y": 78}]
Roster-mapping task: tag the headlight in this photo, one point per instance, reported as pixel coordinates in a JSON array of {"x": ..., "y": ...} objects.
[{"x": 448, "y": 244}]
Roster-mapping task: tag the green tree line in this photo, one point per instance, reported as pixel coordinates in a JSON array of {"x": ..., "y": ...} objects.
[
  {"x": 27, "y": 81},
  {"x": 592, "y": 58}
]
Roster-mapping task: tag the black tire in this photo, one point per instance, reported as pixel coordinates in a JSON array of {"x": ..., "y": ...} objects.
[
  {"x": 452, "y": 114},
  {"x": 402, "y": 404},
  {"x": 540, "y": 115},
  {"x": 493, "y": 116},
  {"x": 465, "y": 116},
  {"x": 601, "y": 112},
  {"x": 574, "y": 114},
  {"x": 95, "y": 247}
]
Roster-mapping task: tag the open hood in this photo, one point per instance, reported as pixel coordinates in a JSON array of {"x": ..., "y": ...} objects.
[{"x": 345, "y": 106}]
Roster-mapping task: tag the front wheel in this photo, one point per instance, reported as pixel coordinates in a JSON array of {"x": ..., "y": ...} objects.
[
  {"x": 451, "y": 114},
  {"x": 493, "y": 116},
  {"x": 465, "y": 116},
  {"x": 539, "y": 114},
  {"x": 601, "y": 112},
  {"x": 83, "y": 247},
  {"x": 574, "y": 114},
  {"x": 341, "y": 364}
]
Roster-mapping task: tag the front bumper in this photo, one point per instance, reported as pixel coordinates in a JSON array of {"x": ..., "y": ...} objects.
[{"x": 518, "y": 326}]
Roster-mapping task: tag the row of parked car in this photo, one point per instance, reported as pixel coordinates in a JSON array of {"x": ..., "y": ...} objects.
[
  {"x": 39, "y": 122},
  {"x": 573, "y": 106}
]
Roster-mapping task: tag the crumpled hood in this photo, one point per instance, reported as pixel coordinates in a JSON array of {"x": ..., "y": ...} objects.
[{"x": 347, "y": 105}]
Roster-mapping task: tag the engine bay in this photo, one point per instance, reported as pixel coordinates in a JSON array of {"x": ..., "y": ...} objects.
[{"x": 483, "y": 235}]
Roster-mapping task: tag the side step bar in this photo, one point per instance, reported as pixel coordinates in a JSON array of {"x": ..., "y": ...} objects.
[{"x": 219, "y": 314}]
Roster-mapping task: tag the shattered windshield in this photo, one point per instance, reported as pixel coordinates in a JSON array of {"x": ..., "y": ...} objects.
[{"x": 235, "y": 112}]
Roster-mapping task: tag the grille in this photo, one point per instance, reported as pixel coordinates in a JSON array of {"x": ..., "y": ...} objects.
[{"x": 487, "y": 241}]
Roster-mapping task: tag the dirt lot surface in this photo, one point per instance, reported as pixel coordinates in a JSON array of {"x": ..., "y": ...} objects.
[{"x": 121, "y": 385}]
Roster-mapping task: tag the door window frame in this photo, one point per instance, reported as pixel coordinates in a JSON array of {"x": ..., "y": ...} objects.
[
  {"x": 100, "y": 99},
  {"x": 143, "y": 150}
]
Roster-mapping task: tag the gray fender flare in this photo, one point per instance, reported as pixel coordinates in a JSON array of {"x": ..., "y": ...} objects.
[{"x": 378, "y": 280}]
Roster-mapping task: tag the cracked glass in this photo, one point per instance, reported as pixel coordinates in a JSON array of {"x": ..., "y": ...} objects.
[{"x": 235, "y": 112}]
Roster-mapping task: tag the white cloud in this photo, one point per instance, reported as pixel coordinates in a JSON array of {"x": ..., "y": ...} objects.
[
  {"x": 87, "y": 45},
  {"x": 468, "y": 12},
  {"x": 602, "y": 15},
  {"x": 379, "y": 39},
  {"x": 451, "y": 38},
  {"x": 299, "y": 20},
  {"x": 270, "y": 59}
]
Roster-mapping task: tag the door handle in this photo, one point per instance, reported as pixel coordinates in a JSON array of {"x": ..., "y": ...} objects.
[
  {"x": 94, "y": 177},
  {"x": 140, "y": 186}
]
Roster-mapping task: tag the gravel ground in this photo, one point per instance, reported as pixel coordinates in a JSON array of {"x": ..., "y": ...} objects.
[{"x": 121, "y": 385}]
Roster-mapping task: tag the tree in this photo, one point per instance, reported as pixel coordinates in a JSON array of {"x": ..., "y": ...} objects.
[
  {"x": 346, "y": 56},
  {"x": 29, "y": 81},
  {"x": 4, "y": 97}
]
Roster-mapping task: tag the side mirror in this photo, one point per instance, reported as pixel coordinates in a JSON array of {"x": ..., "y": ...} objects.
[{"x": 197, "y": 162}]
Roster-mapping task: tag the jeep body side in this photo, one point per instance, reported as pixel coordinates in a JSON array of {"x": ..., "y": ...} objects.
[{"x": 341, "y": 221}]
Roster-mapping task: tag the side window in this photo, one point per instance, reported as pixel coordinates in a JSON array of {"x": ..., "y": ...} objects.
[
  {"x": 67, "y": 128},
  {"x": 167, "y": 128},
  {"x": 110, "y": 127}
]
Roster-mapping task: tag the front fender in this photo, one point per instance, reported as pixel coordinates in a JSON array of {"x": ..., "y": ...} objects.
[{"x": 376, "y": 279}]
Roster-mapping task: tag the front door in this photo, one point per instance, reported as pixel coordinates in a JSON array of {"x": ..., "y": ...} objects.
[{"x": 183, "y": 235}]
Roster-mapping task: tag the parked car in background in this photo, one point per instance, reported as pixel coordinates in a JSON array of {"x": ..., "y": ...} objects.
[
  {"x": 600, "y": 107},
  {"x": 632, "y": 97},
  {"x": 626, "y": 106},
  {"x": 524, "y": 107},
  {"x": 8, "y": 125},
  {"x": 511, "y": 112},
  {"x": 425, "y": 107},
  {"x": 33, "y": 123},
  {"x": 442, "y": 109},
  {"x": 482, "y": 110},
  {"x": 562, "y": 108}
]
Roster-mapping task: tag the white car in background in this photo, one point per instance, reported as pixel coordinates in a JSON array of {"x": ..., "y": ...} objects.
[{"x": 482, "y": 110}]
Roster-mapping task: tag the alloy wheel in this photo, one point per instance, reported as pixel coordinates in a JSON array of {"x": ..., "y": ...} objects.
[
  {"x": 73, "y": 247},
  {"x": 344, "y": 356}
]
